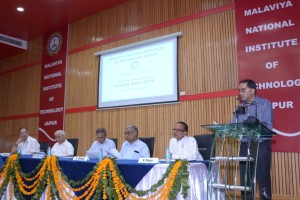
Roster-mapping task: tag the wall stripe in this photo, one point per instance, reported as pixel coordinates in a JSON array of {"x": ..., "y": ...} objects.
[
  {"x": 19, "y": 116},
  {"x": 183, "y": 98},
  {"x": 82, "y": 109},
  {"x": 208, "y": 95},
  {"x": 38, "y": 62}
]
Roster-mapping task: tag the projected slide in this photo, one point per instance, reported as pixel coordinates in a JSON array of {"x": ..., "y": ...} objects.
[{"x": 142, "y": 73}]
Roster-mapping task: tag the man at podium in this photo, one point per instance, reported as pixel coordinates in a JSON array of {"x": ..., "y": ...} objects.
[{"x": 254, "y": 108}]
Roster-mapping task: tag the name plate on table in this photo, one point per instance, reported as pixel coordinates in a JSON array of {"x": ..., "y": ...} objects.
[
  {"x": 38, "y": 155},
  {"x": 148, "y": 160},
  {"x": 5, "y": 154},
  {"x": 81, "y": 158}
]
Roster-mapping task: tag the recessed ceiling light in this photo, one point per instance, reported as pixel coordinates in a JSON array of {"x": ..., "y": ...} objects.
[{"x": 20, "y": 9}]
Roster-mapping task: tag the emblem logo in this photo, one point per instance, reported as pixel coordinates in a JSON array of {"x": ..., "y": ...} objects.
[{"x": 54, "y": 43}]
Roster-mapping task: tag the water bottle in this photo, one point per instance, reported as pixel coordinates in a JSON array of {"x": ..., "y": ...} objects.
[
  {"x": 48, "y": 151},
  {"x": 100, "y": 157},
  {"x": 168, "y": 155},
  {"x": 19, "y": 149}
]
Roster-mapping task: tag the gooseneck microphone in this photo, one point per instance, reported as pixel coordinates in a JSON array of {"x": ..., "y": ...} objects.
[
  {"x": 252, "y": 119},
  {"x": 241, "y": 109}
]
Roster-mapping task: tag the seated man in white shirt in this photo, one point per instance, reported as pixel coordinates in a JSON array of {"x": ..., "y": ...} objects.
[
  {"x": 133, "y": 148},
  {"x": 62, "y": 147},
  {"x": 102, "y": 142},
  {"x": 183, "y": 146},
  {"x": 28, "y": 145}
]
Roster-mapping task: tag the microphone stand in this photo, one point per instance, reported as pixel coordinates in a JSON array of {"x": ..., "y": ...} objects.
[
  {"x": 241, "y": 109},
  {"x": 252, "y": 122}
]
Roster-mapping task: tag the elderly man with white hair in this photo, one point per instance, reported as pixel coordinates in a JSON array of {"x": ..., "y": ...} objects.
[
  {"x": 133, "y": 148},
  {"x": 62, "y": 147}
]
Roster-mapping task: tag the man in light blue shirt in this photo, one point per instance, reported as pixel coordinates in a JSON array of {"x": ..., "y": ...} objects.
[
  {"x": 133, "y": 148},
  {"x": 258, "y": 109},
  {"x": 102, "y": 142}
]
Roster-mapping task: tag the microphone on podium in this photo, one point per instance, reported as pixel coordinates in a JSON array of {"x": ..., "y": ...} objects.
[
  {"x": 241, "y": 109},
  {"x": 252, "y": 120}
]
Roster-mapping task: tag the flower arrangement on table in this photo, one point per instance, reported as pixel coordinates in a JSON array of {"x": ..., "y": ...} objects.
[{"x": 104, "y": 182}]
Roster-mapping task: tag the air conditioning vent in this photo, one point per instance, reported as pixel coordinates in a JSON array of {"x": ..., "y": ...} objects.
[{"x": 13, "y": 41}]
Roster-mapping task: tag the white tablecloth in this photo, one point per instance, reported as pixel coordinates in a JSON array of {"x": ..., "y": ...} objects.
[{"x": 197, "y": 180}]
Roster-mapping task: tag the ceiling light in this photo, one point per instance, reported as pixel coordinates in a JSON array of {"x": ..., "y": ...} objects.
[{"x": 20, "y": 9}]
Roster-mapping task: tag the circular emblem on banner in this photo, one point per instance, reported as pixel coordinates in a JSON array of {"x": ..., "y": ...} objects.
[{"x": 54, "y": 43}]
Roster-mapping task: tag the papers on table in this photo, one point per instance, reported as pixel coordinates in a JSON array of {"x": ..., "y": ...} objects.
[
  {"x": 92, "y": 154},
  {"x": 115, "y": 153},
  {"x": 112, "y": 153}
]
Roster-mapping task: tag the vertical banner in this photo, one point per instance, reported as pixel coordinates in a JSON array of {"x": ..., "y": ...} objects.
[
  {"x": 268, "y": 52},
  {"x": 52, "y": 96}
]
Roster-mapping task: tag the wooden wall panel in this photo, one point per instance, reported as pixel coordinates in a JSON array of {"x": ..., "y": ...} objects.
[
  {"x": 81, "y": 80},
  {"x": 139, "y": 14},
  {"x": 285, "y": 173},
  {"x": 20, "y": 88},
  {"x": 206, "y": 63},
  {"x": 20, "y": 92}
]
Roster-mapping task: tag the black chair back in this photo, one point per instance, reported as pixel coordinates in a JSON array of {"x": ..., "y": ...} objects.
[
  {"x": 205, "y": 142},
  {"x": 74, "y": 142},
  {"x": 115, "y": 141},
  {"x": 150, "y": 143},
  {"x": 44, "y": 146}
]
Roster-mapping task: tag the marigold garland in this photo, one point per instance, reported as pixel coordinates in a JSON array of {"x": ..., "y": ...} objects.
[
  {"x": 10, "y": 189},
  {"x": 105, "y": 181}
]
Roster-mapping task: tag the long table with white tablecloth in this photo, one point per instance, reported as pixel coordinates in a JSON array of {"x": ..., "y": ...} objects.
[{"x": 139, "y": 175}]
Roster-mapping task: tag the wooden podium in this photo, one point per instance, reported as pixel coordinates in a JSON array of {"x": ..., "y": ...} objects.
[{"x": 228, "y": 138}]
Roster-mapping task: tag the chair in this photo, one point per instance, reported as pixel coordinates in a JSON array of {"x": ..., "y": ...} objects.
[
  {"x": 115, "y": 141},
  {"x": 205, "y": 142},
  {"x": 44, "y": 146},
  {"x": 74, "y": 142},
  {"x": 150, "y": 143}
]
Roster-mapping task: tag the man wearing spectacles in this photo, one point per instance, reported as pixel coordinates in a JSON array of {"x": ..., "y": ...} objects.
[
  {"x": 133, "y": 148},
  {"x": 183, "y": 146},
  {"x": 259, "y": 109},
  {"x": 102, "y": 142}
]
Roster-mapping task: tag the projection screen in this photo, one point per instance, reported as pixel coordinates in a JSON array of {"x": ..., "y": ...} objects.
[{"x": 139, "y": 74}]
